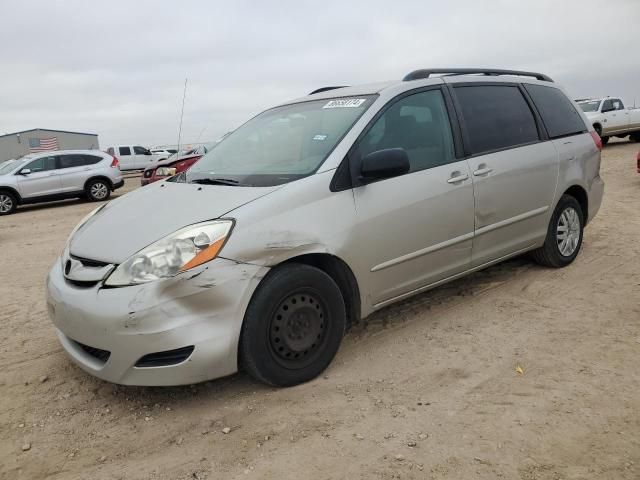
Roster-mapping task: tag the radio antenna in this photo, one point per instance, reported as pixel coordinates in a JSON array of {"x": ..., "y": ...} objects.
[{"x": 184, "y": 95}]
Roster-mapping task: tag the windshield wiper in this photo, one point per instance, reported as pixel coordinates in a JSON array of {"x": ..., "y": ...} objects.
[{"x": 217, "y": 181}]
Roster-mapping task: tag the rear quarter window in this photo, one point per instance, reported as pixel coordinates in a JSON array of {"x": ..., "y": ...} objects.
[
  {"x": 559, "y": 116},
  {"x": 495, "y": 117}
]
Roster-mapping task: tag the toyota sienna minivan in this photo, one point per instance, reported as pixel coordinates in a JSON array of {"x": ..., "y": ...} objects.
[{"x": 318, "y": 212}]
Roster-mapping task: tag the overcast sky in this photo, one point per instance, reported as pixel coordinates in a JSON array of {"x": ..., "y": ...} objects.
[{"x": 117, "y": 68}]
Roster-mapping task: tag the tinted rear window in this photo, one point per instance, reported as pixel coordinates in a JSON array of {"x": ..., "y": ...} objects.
[
  {"x": 558, "y": 114},
  {"x": 125, "y": 151},
  {"x": 76, "y": 160},
  {"x": 495, "y": 117}
]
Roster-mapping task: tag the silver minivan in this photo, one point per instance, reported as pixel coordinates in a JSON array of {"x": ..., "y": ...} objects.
[
  {"x": 318, "y": 212},
  {"x": 47, "y": 176}
]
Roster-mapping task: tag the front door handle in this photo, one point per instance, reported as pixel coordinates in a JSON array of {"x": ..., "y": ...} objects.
[
  {"x": 483, "y": 171},
  {"x": 458, "y": 178}
]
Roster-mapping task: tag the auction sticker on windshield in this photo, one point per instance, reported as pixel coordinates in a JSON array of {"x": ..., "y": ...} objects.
[{"x": 345, "y": 103}]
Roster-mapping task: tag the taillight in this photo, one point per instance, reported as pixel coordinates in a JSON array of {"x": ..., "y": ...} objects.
[
  {"x": 115, "y": 163},
  {"x": 596, "y": 139}
]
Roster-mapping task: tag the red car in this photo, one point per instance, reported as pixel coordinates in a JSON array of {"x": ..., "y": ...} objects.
[{"x": 174, "y": 164}]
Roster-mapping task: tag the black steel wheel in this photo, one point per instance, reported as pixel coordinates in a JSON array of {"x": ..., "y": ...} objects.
[{"x": 293, "y": 326}]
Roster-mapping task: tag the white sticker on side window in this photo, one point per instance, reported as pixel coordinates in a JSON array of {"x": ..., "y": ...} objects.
[{"x": 345, "y": 103}]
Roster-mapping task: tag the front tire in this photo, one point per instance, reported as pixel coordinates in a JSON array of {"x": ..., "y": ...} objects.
[
  {"x": 293, "y": 326},
  {"x": 98, "y": 190},
  {"x": 564, "y": 235},
  {"x": 8, "y": 203}
]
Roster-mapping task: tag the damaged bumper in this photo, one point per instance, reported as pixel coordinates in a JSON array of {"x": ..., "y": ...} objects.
[{"x": 177, "y": 331}]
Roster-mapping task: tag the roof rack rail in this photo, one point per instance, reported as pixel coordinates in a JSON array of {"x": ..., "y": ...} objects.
[
  {"x": 325, "y": 89},
  {"x": 426, "y": 73}
]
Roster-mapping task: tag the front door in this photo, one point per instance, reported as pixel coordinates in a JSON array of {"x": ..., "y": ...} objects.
[
  {"x": 415, "y": 229},
  {"x": 42, "y": 178},
  {"x": 514, "y": 171}
]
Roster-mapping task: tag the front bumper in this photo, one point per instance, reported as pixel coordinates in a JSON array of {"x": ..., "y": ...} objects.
[{"x": 203, "y": 308}]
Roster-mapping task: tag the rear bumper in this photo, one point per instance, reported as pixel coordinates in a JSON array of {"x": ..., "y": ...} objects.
[{"x": 119, "y": 184}]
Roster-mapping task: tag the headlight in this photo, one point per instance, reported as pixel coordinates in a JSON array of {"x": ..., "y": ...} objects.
[
  {"x": 165, "y": 172},
  {"x": 182, "y": 250}
]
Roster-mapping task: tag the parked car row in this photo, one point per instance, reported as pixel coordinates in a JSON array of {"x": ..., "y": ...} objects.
[
  {"x": 318, "y": 212},
  {"x": 48, "y": 176}
]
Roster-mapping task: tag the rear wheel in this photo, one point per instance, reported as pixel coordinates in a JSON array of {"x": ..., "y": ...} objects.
[
  {"x": 8, "y": 203},
  {"x": 564, "y": 235},
  {"x": 293, "y": 326},
  {"x": 98, "y": 190}
]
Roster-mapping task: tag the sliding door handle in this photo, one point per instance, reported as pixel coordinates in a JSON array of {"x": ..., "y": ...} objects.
[
  {"x": 483, "y": 171},
  {"x": 458, "y": 178}
]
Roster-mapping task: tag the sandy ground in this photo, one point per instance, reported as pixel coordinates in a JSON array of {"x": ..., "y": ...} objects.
[{"x": 424, "y": 389}]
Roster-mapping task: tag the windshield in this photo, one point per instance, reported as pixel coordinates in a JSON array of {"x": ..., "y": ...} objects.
[
  {"x": 280, "y": 145},
  {"x": 590, "y": 106},
  {"x": 9, "y": 165}
]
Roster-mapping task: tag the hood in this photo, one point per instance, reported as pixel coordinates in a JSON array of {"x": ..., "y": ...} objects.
[
  {"x": 130, "y": 223},
  {"x": 591, "y": 114}
]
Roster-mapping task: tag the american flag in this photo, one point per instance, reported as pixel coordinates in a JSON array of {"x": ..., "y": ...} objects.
[{"x": 43, "y": 144}]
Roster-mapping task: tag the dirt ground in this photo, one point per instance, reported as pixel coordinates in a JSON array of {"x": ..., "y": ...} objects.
[{"x": 516, "y": 372}]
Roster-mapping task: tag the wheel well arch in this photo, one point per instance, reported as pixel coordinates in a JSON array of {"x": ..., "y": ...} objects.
[
  {"x": 342, "y": 274},
  {"x": 13, "y": 192},
  {"x": 99, "y": 177},
  {"x": 580, "y": 194},
  {"x": 597, "y": 126}
]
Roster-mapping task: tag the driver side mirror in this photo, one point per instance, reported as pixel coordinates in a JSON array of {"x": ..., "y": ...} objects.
[
  {"x": 387, "y": 163},
  {"x": 25, "y": 171}
]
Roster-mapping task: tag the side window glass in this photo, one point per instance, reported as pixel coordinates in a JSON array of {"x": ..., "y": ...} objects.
[
  {"x": 91, "y": 159},
  {"x": 139, "y": 150},
  {"x": 70, "y": 161},
  {"x": 495, "y": 117},
  {"x": 607, "y": 105},
  {"x": 124, "y": 150},
  {"x": 42, "y": 164},
  {"x": 559, "y": 115},
  {"x": 419, "y": 124},
  {"x": 617, "y": 104}
]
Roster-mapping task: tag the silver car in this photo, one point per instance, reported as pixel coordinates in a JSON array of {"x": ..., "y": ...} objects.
[
  {"x": 318, "y": 212},
  {"x": 48, "y": 176}
]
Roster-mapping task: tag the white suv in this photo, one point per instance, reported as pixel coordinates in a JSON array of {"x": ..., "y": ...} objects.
[{"x": 47, "y": 176}]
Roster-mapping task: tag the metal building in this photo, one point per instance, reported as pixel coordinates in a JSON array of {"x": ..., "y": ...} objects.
[{"x": 15, "y": 145}]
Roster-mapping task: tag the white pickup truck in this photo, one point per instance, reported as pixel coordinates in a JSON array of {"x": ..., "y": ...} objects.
[{"x": 610, "y": 118}]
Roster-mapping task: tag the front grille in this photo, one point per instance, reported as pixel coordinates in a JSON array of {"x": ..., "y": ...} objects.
[
  {"x": 163, "y": 359},
  {"x": 90, "y": 263},
  {"x": 148, "y": 173},
  {"x": 97, "y": 353}
]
